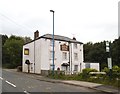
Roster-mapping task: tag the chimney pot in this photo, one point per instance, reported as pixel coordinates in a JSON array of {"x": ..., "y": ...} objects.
[
  {"x": 36, "y": 34},
  {"x": 74, "y": 38}
]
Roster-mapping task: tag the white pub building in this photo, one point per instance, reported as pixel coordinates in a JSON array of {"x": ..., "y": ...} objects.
[{"x": 68, "y": 54}]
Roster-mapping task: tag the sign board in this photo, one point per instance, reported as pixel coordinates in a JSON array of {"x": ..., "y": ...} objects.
[
  {"x": 109, "y": 63},
  {"x": 64, "y": 47},
  {"x": 26, "y": 51}
]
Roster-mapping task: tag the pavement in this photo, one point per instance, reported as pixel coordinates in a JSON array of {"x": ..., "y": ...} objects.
[{"x": 95, "y": 86}]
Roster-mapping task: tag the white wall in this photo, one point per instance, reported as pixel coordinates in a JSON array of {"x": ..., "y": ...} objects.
[
  {"x": 93, "y": 65},
  {"x": 30, "y": 57},
  {"x": 37, "y": 56},
  {"x": 78, "y": 62},
  {"x": 42, "y": 56}
]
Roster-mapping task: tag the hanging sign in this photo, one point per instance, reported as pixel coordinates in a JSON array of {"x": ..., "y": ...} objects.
[{"x": 64, "y": 47}]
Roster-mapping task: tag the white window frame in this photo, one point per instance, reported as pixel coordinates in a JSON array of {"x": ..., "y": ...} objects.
[
  {"x": 64, "y": 56},
  {"x": 87, "y": 65},
  {"x": 75, "y": 45},
  {"x": 75, "y": 67},
  {"x": 51, "y": 66},
  {"x": 76, "y": 56},
  {"x": 51, "y": 55}
]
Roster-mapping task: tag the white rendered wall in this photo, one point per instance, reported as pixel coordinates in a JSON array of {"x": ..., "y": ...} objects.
[
  {"x": 37, "y": 56},
  {"x": 78, "y": 62},
  {"x": 44, "y": 54},
  {"x": 95, "y": 66},
  {"x": 30, "y": 57}
]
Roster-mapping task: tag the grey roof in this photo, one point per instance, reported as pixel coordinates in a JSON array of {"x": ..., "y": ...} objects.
[
  {"x": 61, "y": 38},
  {"x": 57, "y": 37}
]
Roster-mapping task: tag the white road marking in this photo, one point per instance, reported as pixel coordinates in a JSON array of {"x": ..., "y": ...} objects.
[
  {"x": 26, "y": 92},
  {"x": 1, "y": 78},
  {"x": 10, "y": 83}
]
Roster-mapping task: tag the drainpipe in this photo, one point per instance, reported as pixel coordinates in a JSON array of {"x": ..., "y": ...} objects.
[
  {"x": 34, "y": 56},
  {"x": 71, "y": 57}
]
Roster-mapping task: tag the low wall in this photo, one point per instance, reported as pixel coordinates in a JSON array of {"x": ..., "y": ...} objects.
[{"x": 49, "y": 72}]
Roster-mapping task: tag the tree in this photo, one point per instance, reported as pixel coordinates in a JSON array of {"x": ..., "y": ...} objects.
[
  {"x": 4, "y": 38},
  {"x": 27, "y": 39},
  {"x": 96, "y": 53},
  {"x": 13, "y": 51},
  {"x": 115, "y": 52}
]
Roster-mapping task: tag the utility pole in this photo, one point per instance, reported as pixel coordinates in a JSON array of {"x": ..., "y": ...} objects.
[{"x": 109, "y": 59}]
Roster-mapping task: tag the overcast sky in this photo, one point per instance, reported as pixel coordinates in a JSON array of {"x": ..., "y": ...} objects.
[{"x": 87, "y": 20}]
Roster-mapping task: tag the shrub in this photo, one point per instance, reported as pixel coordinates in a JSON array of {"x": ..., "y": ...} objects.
[
  {"x": 86, "y": 72},
  {"x": 106, "y": 70},
  {"x": 19, "y": 68}
]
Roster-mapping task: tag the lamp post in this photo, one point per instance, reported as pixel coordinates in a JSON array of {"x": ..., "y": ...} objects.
[{"x": 53, "y": 39}]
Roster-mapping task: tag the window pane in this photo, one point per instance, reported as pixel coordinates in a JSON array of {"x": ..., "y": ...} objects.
[
  {"x": 51, "y": 54},
  {"x": 64, "y": 56},
  {"x": 75, "y": 56},
  {"x": 51, "y": 67},
  {"x": 75, "y": 67},
  {"x": 75, "y": 45},
  {"x": 87, "y": 65}
]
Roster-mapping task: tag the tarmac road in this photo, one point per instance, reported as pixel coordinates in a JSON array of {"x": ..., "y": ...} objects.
[{"x": 20, "y": 83}]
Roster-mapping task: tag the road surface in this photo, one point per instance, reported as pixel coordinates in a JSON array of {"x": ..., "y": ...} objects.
[{"x": 20, "y": 82}]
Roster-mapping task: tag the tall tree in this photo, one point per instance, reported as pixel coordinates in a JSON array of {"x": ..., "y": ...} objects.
[
  {"x": 13, "y": 51},
  {"x": 115, "y": 52}
]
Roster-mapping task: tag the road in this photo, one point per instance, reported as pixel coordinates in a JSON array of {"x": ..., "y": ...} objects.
[{"x": 20, "y": 82}]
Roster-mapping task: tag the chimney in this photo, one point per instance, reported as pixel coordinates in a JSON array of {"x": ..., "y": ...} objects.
[
  {"x": 74, "y": 38},
  {"x": 36, "y": 34}
]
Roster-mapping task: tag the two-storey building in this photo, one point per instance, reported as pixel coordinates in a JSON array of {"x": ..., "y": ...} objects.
[{"x": 68, "y": 54}]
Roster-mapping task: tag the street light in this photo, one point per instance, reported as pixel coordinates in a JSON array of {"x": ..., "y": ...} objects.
[{"x": 53, "y": 39}]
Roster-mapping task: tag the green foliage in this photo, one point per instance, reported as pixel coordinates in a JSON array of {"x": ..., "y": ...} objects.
[
  {"x": 84, "y": 76},
  {"x": 4, "y": 38},
  {"x": 86, "y": 72},
  {"x": 12, "y": 52},
  {"x": 97, "y": 53},
  {"x": 106, "y": 70}
]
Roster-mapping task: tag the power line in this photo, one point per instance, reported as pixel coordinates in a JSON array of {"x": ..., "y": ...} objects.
[{"x": 23, "y": 27}]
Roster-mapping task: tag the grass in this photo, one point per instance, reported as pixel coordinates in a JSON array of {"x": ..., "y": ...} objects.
[{"x": 83, "y": 77}]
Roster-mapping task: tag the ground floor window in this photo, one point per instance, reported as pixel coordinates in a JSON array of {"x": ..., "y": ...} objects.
[
  {"x": 75, "y": 67},
  {"x": 87, "y": 65},
  {"x": 65, "y": 68},
  {"x": 51, "y": 67}
]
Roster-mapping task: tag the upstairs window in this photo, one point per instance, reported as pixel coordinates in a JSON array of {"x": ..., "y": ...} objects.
[
  {"x": 75, "y": 45},
  {"x": 51, "y": 54},
  {"x": 64, "y": 55},
  {"x": 75, "y": 56}
]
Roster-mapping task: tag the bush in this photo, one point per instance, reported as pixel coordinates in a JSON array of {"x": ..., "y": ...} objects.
[
  {"x": 19, "y": 68},
  {"x": 106, "y": 70},
  {"x": 86, "y": 72}
]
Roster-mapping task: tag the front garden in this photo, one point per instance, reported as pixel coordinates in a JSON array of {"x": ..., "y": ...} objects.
[{"x": 106, "y": 77}]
